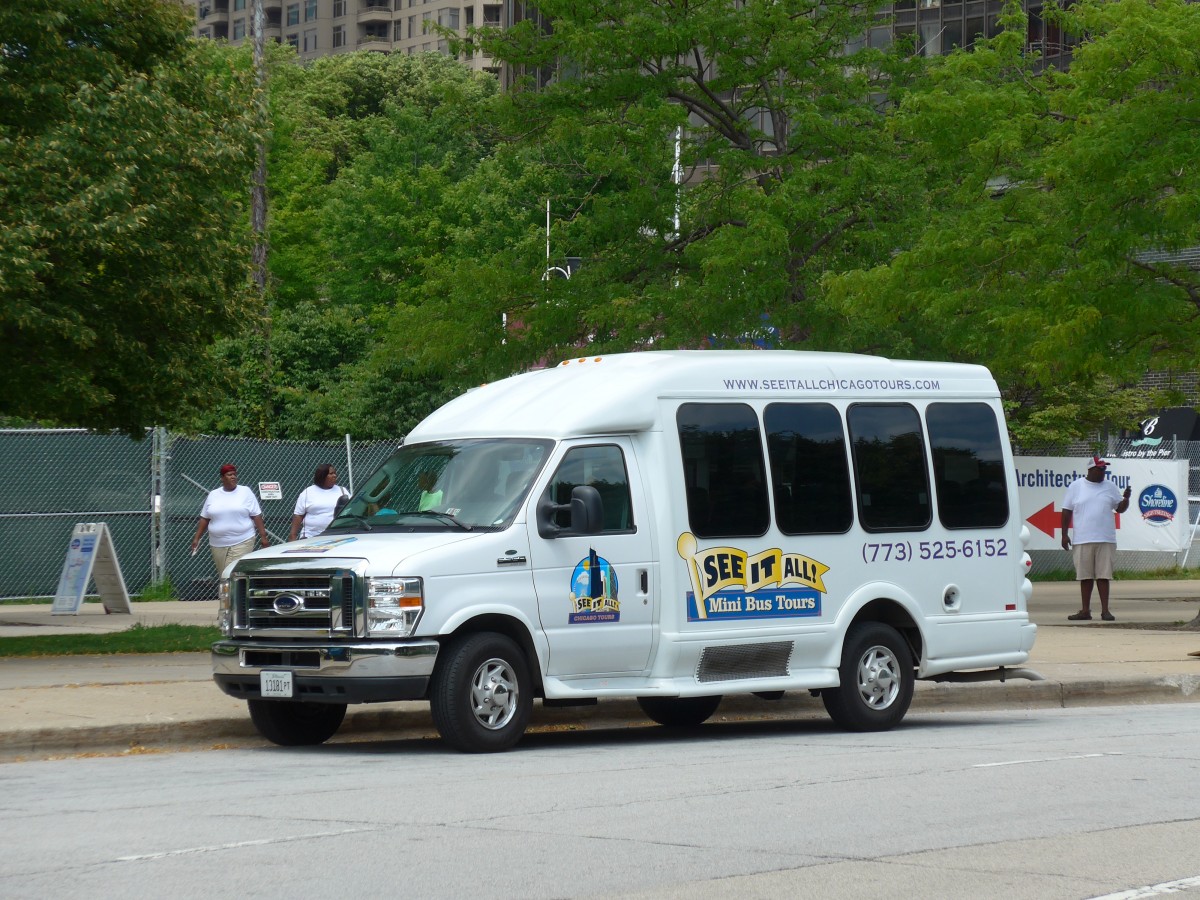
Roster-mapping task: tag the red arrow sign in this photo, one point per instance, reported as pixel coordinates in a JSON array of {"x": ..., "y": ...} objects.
[{"x": 1048, "y": 519}]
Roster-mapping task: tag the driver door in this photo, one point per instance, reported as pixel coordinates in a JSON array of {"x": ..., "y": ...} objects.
[{"x": 594, "y": 591}]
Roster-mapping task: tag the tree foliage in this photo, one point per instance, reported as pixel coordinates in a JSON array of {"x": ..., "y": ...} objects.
[
  {"x": 971, "y": 207},
  {"x": 789, "y": 169},
  {"x": 124, "y": 151},
  {"x": 366, "y": 157},
  {"x": 1052, "y": 251}
]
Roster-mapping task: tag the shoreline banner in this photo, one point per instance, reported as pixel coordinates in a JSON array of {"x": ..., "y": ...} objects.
[{"x": 1157, "y": 518}]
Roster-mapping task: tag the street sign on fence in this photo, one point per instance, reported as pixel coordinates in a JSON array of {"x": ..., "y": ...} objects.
[{"x": 91, "y": 554}]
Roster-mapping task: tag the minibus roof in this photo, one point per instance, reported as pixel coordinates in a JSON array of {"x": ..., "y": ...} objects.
[{"x": 621, "y": 393}]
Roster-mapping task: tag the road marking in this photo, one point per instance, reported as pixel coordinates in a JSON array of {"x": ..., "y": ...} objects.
[
  {"x": 1153, "y": 890},
  {"x": 236, "y": 844},
  {"x": 1025, "y": 762}
]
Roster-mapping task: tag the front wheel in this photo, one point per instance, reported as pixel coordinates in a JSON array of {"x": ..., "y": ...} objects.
[
  {"x": 877, "y": 679},
  {"x": 481, "y": 695},
  {"x": 679, "y": 712},
  {"x": 292, "y": 723}
]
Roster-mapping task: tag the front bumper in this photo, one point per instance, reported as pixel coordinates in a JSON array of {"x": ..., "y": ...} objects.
[{"x": 328, "y": 673}]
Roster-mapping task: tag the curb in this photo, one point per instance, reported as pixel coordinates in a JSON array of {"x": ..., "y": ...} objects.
[{"x": 416, "y": 724}]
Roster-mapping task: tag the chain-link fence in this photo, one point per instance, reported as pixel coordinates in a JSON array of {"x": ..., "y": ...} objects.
[
  {"x": 149, "y": 492},
  {"x": 1114, "y": 450}
]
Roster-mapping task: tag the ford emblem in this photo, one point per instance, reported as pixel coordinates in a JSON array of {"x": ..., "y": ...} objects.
[{"x": 287, "y": 604}]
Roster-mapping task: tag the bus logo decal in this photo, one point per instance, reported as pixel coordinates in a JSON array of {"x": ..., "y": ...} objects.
[{"x": 729, "y": 583}]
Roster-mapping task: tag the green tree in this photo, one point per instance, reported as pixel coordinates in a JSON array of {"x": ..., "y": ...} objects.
[
  {"x": 124, "y": 153},
  {"x": 366, "y": 154},
  {"x": 1063, "y": 200},
  {"x": 790, "y": 173}
]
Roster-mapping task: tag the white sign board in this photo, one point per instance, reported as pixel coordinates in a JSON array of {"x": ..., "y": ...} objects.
[
  {"x": 90, "y": 554},
  {"x": 269, "y": 490},
  {"x": 1157, "y": 518}
]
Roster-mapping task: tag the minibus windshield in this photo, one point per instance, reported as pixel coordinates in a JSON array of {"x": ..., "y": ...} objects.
[{"x": 446, "y": 486}]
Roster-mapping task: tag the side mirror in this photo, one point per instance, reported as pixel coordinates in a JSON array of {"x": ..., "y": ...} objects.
[{"x": 586, "y": 509}]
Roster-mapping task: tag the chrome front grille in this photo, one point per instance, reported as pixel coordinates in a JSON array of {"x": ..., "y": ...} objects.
[
  {"x": 305, "y": 599},
  {"x": 293, "y": 602},
  {"x": 288, "y": 602}
]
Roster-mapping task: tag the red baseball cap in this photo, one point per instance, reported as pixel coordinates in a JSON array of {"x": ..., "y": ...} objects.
[
  {"x": 1096, "y": 463},
  {"x": 227, "y": 468}
]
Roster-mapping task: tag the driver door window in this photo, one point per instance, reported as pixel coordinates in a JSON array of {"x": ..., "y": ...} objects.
[{"x": 602, "y": 467}]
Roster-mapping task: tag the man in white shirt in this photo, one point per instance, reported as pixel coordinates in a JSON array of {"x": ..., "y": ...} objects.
[{"x": 1089, "y": 507}]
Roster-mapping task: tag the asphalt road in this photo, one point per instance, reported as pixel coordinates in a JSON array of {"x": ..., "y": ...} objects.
[{"x": 1037, "y": 804}]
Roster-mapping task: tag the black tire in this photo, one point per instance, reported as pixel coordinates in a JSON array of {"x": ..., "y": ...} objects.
[
  {"x": 292, "y": 723},
  {"x": 877, "y": 679},
  {"x": 481, "y": 694},
  {"x": 679, "y": 712}
]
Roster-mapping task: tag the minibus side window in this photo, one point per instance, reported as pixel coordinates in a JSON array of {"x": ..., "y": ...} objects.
[
  {"x": 603, "y": 467},
  {"x": 723, "y": 470},
  {"x": 810, "y": 475},
  {"x": 968, "y": 465},
  {"x": 889, "y": 467}
]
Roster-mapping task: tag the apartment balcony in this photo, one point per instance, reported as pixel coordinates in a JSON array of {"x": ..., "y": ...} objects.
[
  {"x": 377, "y": 42},
  {"x": 209, "y": 8},
  {"x": 375, "y": 11}
]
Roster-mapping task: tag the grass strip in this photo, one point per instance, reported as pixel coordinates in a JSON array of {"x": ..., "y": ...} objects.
[{"x": 136, "y": 639}]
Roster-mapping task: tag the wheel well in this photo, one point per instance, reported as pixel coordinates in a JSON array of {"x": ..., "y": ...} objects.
[
  {"x": 889, "y": 612},
  {"x": 511, "y": 628}
]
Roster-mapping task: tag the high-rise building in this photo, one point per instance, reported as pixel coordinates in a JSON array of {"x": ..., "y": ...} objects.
[{"x": 324, "y": 27}]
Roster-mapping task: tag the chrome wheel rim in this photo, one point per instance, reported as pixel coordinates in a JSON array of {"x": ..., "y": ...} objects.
[
  {"x": 879, "y": 677},
  {"x": 494, "y": 694}
]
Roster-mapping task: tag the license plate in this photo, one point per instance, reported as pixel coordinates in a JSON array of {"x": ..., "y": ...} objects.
[{"x": 275, "y": 684}]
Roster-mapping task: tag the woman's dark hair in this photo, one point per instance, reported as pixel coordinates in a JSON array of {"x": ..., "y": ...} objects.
[{"x": 321, "y": 473}]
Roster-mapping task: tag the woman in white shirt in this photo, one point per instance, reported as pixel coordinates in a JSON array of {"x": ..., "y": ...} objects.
[
  {"x": 230, "y": 515},
  {"x": 316, "y": 503}
]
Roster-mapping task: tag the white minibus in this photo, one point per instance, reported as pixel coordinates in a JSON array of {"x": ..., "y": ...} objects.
[{"x": 672, "y": 526}]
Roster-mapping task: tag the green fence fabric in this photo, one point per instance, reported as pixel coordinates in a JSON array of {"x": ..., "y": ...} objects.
[
  {"x": 149, "y": 492},
  {"x": 57, "y": 478},
  {"x": 193, "y": 468}
]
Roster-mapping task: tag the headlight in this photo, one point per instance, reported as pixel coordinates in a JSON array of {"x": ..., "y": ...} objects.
[
  {"x": 394, "y": 605},
  {"x": 224, "y": 608}
]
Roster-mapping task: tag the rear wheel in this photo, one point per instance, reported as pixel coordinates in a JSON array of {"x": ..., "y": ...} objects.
[
  {"x": 877, "y": 679},
  {"x": 481, "y": 695},
  {"x": 679, "y": 712},
  {"x": 292, "y": 723}
]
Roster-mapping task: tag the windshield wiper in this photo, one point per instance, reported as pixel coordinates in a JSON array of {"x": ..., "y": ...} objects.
[
  {"x": 441, "y": 515},
  {"x": 361, "y": 520}
]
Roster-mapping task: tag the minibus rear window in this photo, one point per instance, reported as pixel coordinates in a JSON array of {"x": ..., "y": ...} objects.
[
  {"x": 968, "y": 465},
  {"x": 889, "y": 466},
  {"x": 810, "y": 474},
  {"x": 723, "y": 470}
]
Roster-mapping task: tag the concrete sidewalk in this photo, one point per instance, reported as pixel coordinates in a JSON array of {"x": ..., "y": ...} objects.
[{"x": 52, "y": 706}]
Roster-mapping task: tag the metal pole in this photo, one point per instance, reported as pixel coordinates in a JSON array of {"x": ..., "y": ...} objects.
[
  {"x": 158, "y": 568},
  {"x": 349, "y": 464},
  {"x": 258, "y": 210}
]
